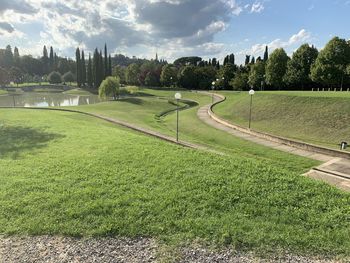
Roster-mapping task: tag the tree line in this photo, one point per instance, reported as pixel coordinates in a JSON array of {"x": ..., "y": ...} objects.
[{"x": 307, "y": 68}]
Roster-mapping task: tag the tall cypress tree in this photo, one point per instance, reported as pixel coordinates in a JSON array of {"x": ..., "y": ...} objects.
[
  {"x": 45, "y": 60},
  {"x": 77, "y": 57},
  {"x": 95, "y": 69},
  {"x": 101, "y": 69},
  {"x": 83, "y": 68},
  {"x": 266, "y": 54},
  {"x": 89, "y": 73},
  {"x": 106, "y": 71},
  {"x": 51, "y": 60},
  {"x": 110, "y": 65}
]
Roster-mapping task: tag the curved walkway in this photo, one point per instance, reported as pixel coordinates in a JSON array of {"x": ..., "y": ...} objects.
[{"x": 334, "y": 170}]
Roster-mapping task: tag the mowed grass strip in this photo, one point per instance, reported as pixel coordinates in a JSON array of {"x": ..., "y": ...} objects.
[
  {"x": 69, "y": 174},
  {"x": 317, "y": 117}
]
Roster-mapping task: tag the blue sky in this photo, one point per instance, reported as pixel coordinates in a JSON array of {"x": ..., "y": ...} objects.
[{"x": 173, "y": 28}]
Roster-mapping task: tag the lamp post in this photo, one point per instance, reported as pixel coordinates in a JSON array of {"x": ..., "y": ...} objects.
[
  {"x": 177, "y": 97},
  {"x": 212, "y": 94},
  {"x": 251, "y": 93}
]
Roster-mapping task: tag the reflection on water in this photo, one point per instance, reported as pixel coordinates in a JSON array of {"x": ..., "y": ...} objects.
[{"x": 32, "y": 99}]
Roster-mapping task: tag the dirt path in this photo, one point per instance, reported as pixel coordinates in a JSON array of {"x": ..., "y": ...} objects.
[{"x": 335, "y": 171}]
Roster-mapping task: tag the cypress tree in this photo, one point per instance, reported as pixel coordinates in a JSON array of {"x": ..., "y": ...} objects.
[
  {"x": 110, "y": 65},
  {"x": 45, "y": 60},
  {"x": 83, "y": 68},
  {"x": 266, "y": 54},
  {"x": 247, "y": 59},
  {"x": 253, "y": 60},
  {"x": 106, "y": 71},
  {"x": 51, "y": 60},
  {"x": 89, "y": 73},
  {"x": 231, "y": 59},
  {"x": 95, "y": 68},
  {"x": 77, "y": 57},
  {"x": 101, "y": 69}
]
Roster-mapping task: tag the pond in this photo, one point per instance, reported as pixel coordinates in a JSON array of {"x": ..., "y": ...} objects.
[{"x": 38, "y": 99}]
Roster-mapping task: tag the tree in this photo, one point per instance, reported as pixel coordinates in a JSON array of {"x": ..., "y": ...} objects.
[
  {"x": 89, "y": 73},
  {"x": 266, "y": 54},
  {"x": 45, "y": 60},
  {"x": 299, "y": 67},
  {"x": 3, "y": 76},
  {"x": 132, "y": 74},
  {"x": 330, "y": 65},
  {"x": 83, "y": 68},
  {"x": 68, "y": 77},
  {"x": 55, "y": 77},
  {"x": 151, "y": 79},
  {"x": 276, "y": 67},
  {"x": 16, "y": 57},
  {"x": 240, "y": 81},
  {"x": 187, "y": 77},
  {"x": 79, "y": 73},
  {"x": 110, "y": 87},
  {"x": 187, "y": 61},
  {"x": 205, "y": 76},
  {"x": 109, "y": 65},
  {"x": 247, "y": 60},
  {"x": 8, "y": 57},
  {"x": 119, "y": 71},
  {"x": 106, "y": 70},
  {"x": 51, "y": 59},
  {"x": 168, "y": 77},
  {"x": 257, "y": 74},
  {"x": 225, "y": 74},
  {"x": 16, "y": 75}
]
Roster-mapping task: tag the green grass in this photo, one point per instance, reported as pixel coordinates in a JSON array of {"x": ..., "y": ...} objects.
[
  {"x": 3, "y": 92},
  {"x": 316, "y": 117},
  {"x": 70, "y": 174},
  {"x": 79, "y": 91}
]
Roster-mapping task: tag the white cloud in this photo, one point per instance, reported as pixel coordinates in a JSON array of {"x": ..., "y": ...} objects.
[{"x": 257, "y": 7}]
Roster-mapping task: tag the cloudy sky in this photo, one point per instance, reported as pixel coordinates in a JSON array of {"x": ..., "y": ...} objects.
[{"x": 173, "y": 28}]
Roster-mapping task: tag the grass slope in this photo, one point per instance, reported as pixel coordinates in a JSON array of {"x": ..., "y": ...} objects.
[
  {"x": 65, "y": 173},
  {"x": 316, "y": 117}
]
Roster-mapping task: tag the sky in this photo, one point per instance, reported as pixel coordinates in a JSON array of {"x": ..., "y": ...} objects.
[{"x": 171, "y": 28}]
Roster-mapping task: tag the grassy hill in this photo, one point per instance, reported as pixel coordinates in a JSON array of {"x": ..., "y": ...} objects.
[
  {"x": 317, "y": 117},
  {"x": 69, "y": 174}
]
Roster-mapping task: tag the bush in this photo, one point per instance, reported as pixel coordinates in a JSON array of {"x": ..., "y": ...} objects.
[
  {"x": 55, "y": 77},
  {"x": 110, "y": 87},
  {"x": 68, "y": 77}
]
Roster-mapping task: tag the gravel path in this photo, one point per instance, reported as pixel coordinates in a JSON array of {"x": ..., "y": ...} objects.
[{"x": 50, "y": 249}]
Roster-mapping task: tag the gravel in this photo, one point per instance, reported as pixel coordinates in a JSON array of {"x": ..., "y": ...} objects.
[{"x": 49, "y": 249}]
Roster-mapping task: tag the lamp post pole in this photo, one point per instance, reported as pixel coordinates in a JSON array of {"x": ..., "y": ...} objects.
[
  {"x": 177, "y": 97},
  {"x": 212, "y": 93},
  {"x": 251, "y": 93}
]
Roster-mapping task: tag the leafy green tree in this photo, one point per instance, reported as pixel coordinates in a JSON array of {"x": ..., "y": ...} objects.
[
  {"x": 51, "y": 59},
  {"x": 151, "y": 79},
  {"x": 119, "y": 71},
  {"x": 225, "y": 74},
  {"x": 240, "y": 81},
  {"x": 187, "y": 77},
  {"x": 4, "y": 79},
  {"x": 299, "y": 67},
  {"x": 16, "y": 57},
  {"x": 16, "y": 75},
  {"x": 8, "y": 57},
  {"x": 168, "y": 76},
  {"x": 276, "y": 68},
  {"x": 247, "y": 60},
  {"x": 187, "y": 61},
  {"x": 55, "y": 77},
  {"x": 109, "y": 87},
  {"x": 330, "y": 65},
  {"x": 205, "y": 76},
  {"x": 68, "y": 77},
  {"x": 132, "y": 74},
  {"x": 257, "y": 74}
]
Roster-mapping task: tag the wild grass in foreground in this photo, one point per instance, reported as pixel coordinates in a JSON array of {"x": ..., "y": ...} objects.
[{"x": 64, "y": 173}]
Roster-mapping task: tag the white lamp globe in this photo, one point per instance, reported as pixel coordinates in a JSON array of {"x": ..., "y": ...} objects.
[
  {"x": 178, "y": 96},
  {"x": 251, "y": 92}
]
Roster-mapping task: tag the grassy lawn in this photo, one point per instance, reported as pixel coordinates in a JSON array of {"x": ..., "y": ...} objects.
[
  {"x": 78, "y": 91},
  {"x": 3, "y": 92},
  {"x": 65, "y": 173},
  {"x": 316, "y": 117}
]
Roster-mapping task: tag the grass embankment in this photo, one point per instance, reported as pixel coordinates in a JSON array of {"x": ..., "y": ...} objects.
[
  {"x": 143, "y": 111},
  {"x": 70, "y": 174},
  {"x": 317, "y": 117},
  {"x": 3, "y": 92}
]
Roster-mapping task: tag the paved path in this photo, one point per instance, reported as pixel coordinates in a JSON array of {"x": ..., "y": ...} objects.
[{"x": 335, "y": 171}]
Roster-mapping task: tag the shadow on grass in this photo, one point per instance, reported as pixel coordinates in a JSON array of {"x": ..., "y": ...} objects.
[
  {"x": 16, "y": 140},
  {"x": 135, "y": 101}
]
